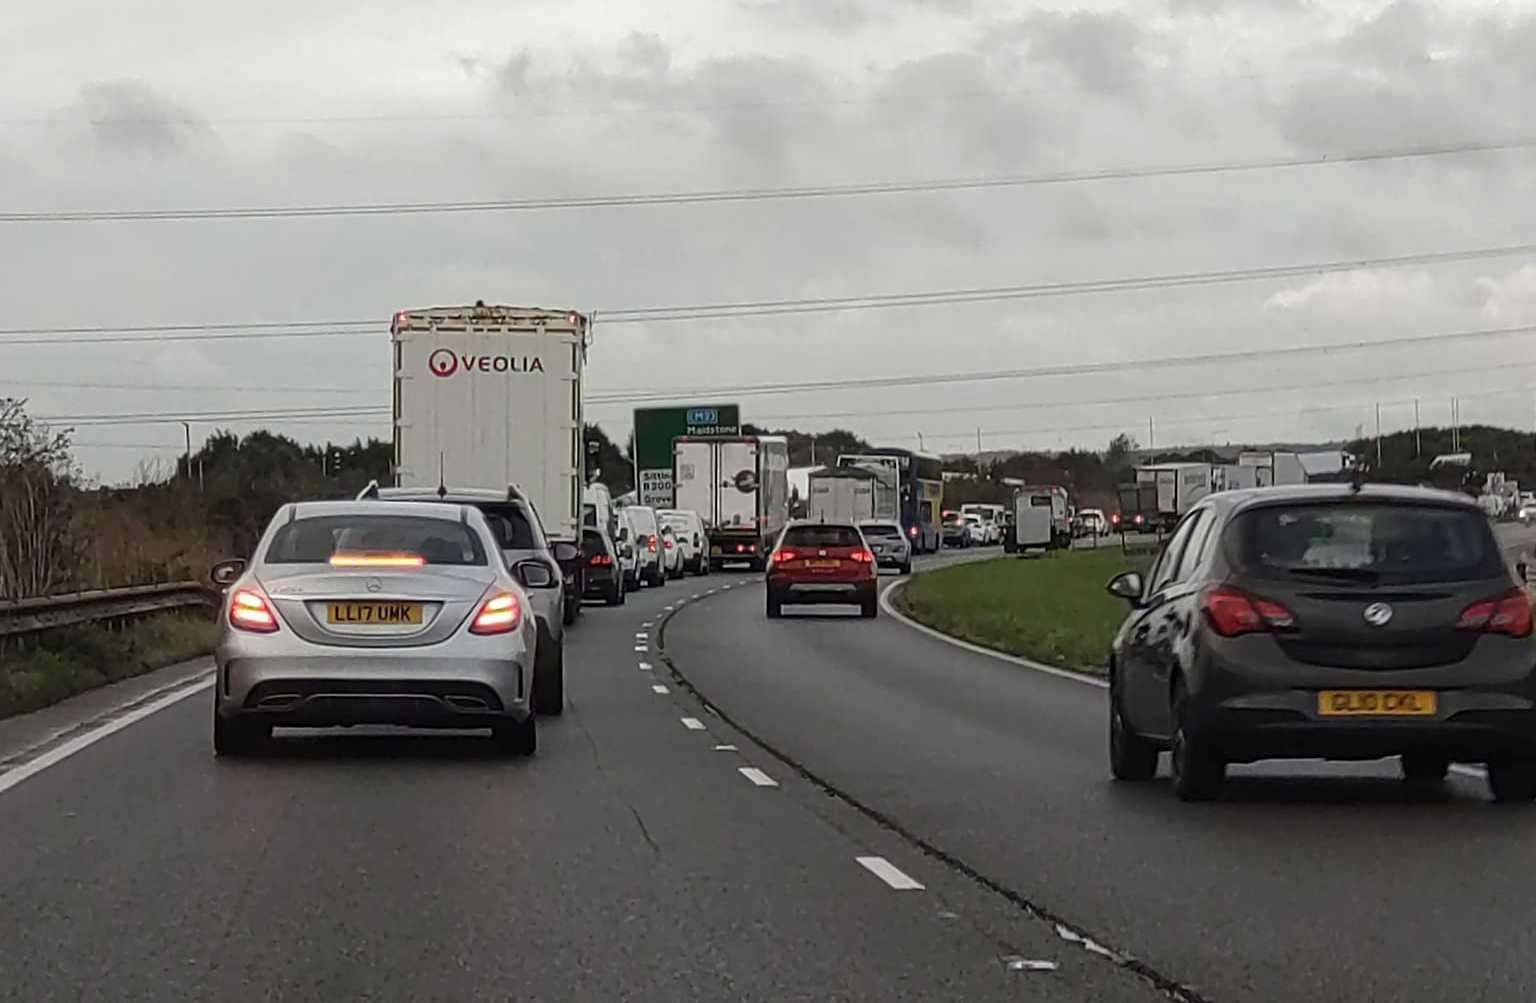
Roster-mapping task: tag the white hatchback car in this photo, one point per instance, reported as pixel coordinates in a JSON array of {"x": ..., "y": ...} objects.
[{"x": 688, "y": 528}]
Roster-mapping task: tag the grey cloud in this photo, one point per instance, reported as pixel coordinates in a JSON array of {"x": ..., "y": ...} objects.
[
  {"x": 1209, "y": 7},
  {"x": 129, "y": 117},
  {"x": 834, "y": 15},
  {"x": 1099, "y": 50},
  {"x": 645, "y": 54},
  {"x": 512, "y": 75}
]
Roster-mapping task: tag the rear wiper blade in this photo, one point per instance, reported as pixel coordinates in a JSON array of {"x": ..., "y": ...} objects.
[{"x": 1344, "y": 574}]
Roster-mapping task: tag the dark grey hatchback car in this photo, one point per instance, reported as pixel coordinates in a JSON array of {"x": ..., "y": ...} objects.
[{"x": 1326, "y": 622}]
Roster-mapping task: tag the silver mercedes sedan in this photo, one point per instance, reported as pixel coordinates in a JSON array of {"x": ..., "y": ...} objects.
[{"x": 376, "y": 612}]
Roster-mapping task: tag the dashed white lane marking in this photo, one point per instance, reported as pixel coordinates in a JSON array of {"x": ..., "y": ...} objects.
[
  {"x": 641, "y": 635},
  {"x": 1467, "y": 770},
  {"x": 10, "y": 778},
  {"x": 693, "y": 724},
  {"x": 645, "y": 666},
  {"x": 642, "y": 649},
  {"x": 696, "y": 595},
  {"x": 725, "y": 748},
  {"x": 646, "y": 624},
  {"x": 890, "y": 874},
  {"x": 658, "y": 688},
  {"x": 669, "y": 608},
  {"x": 757, "y": 776}
]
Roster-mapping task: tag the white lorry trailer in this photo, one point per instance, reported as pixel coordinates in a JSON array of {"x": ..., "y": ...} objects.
[
  {"x": 1179, "y": 486},
  {"x": 739, "y": 484},
  {"x": 1274, "y": 467},
  {"x": 842, "y": 494}
]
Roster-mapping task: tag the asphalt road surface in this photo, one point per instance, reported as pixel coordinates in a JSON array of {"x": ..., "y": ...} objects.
[
  {"x": 1308, "y": 881},
  {"x": 632, "y": 859}
]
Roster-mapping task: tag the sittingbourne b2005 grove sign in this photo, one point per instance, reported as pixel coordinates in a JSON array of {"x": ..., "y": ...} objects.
[{"x": 656, "y": 427}]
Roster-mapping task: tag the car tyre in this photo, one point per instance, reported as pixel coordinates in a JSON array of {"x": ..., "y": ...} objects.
[
  {"x": 517, "y": 738},
  {"x": 775, "y": 605},
  {"x": 549, "y": 684},
  {"x": 615, "y": 596},
  {"x": 1131, "y": 757},
  {"x": 869, "y": 606},
  {"x": 906, "y": 569},
  {"x": 1512, "y": 780},
  {"x": 1425, "y": 768},
  {"x": 572, "y": 611},
  {"x": 1198, "y": 771},
  {"x": 234, "y": 737}
]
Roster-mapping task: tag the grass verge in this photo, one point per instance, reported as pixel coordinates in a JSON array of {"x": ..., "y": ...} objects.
[
  {"x": 1051, "y": 609},
  {"x": 62, "y": 663}
]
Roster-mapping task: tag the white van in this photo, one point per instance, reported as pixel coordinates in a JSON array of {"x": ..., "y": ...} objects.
[{"x": 645, "y": 537}]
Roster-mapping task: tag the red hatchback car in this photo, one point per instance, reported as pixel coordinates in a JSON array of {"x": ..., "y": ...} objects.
[{"x": 822, "y": 563}]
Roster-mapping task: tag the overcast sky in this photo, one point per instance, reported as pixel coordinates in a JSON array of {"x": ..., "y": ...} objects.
[{"x": 177, "y": 103}]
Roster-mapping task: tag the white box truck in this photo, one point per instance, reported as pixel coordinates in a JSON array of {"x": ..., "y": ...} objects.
[
  {"x": 1179, "y": 486},
  {"x": 842, "y": 494},
  {"x": 490, "y": 397},
  {"x": 887, "y": 473},
  {"x": 739, "y": 484},
  {"x": 1274, "y": 467}
]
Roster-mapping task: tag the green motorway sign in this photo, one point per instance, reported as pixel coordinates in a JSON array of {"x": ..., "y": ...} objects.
[{"x": 656, "y": 427}]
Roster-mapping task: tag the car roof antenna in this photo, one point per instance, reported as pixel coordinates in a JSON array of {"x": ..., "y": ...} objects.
[{"x": 442, "y": 476}]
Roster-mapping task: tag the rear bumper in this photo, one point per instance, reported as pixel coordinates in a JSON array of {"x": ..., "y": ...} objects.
[
  {"x": 600, "y": 580},
  {"x": 375, "y": 689},
  {"x": 802, "y": 592}
]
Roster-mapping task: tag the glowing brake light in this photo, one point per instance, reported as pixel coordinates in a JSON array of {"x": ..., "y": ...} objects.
[
  {"x": 783, "y": 556},
  {"x": 600, "y": 561},
  {"x": 669, "y": 543},
  {"x": 862, "y": 557},
  {"x": 248, "y": 610},
  {"x": 650, "y": 544},
  {"x": 355, "y": 559},
  {"x": 912, "y": 531},
  {"x": 1509, "y": 613},
  {"x": 498, "y": 615}
]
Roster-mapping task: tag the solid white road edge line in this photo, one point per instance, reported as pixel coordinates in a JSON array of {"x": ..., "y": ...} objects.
[
  {"x": 1050, "y": 670},
  {"x": 725, "y": 748},
  {"x": 693, "y": 724},
  {"x": 660, "y": 689},
  {"x": 890, "y": 874},
  {"x": 757, "y": 776},
  {"x": 58, "y": 754}
]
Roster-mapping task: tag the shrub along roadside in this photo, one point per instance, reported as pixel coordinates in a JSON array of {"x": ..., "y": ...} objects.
[
  {"x": 1051, "y": 609},
  {"x": 65, "y": 662}
]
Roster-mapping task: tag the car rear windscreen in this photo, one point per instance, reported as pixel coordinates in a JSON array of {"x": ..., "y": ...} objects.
[
  {"x": 822, "y": 536},
  {"x": 882, "y": 529},
  {"x": 316, "y": 540},
  {"x": 510, "y": 526},
  {"x": 1366, "y": 542},
  {"x": 592, "y": 544}
]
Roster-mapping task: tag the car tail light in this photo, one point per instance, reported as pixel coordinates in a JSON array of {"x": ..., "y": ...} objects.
[
  {"x": 1509, "y": 613},
  {"x": 782, "y": 556},
  {"x": 1232, "y": 612},
  {"x": 249, "y": 610},
  {"x": 862, "y": 557},
  {"x": 912, "y": 531},
  {"x": 1115, "y": 518},
  {"x": 356, "y": 559},
  {"x": 499, "y": 614},
  {"x": 650, "y": 544},
  {"x": 669, "y": 544},
  {"x": 600, "y": 560}
]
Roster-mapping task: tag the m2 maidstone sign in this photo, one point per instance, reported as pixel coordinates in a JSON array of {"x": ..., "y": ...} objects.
[{"x": 656, "y": 427}]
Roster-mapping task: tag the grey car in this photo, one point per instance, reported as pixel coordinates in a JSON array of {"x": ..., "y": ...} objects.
[
  {"x": 889, "y": 544},
  {"x": 376, "y": 613},
  {"x": 1326, "y": 622},
  {"x": 520, "y": 534}
]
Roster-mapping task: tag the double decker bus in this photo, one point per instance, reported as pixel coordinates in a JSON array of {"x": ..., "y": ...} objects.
[{"x": 909, "y": 490}]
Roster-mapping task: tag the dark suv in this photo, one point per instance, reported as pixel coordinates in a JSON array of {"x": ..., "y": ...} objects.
[{"x": 1326, "y": 622}]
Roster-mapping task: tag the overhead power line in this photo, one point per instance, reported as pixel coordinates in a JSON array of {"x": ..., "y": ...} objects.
[
  {"x": 760, "y": 308},
  {"x": 700, "y": 197}
]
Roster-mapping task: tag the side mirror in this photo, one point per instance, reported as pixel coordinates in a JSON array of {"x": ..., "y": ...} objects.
[
  {"x": 566, "y": 551},
  {"x": 626, "y": 551},
  {"x": 535, "y": 574},
  {"x": 226, "y": 573},
  {"x": 1127, "y": 585}
]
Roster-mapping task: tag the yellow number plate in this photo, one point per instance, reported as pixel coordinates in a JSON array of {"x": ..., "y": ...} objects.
[
  {"x": 387, "y": 613},
  {"x": 1376, "y": 703},
  {"x": 822, "y": 564}
]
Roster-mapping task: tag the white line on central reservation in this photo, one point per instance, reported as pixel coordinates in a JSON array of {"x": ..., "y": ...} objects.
[
  {"x": 890, "y": 874},
  {"x": 757, "y": 776},
  {"x": 58, "y": 754}
]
